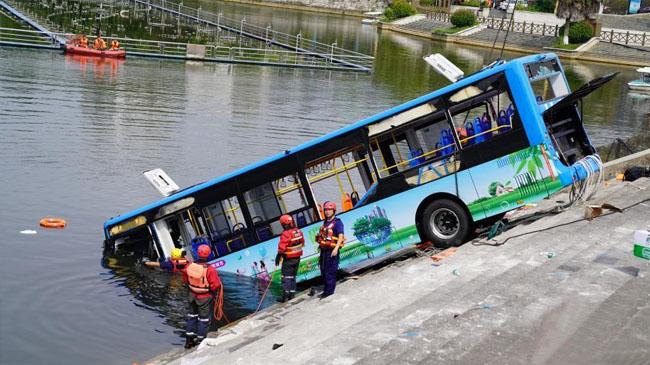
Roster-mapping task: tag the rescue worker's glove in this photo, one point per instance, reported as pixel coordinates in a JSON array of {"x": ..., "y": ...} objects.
[{"x": 278, "y": 257}]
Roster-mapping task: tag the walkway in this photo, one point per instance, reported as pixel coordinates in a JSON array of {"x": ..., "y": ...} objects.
[
  {"x": 549, "y": 297},
  {"x": 32, "y": 23}
]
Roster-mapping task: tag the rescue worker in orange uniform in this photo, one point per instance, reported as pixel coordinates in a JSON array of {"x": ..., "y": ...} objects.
[
  {"x": 330, "y": 240},
  {"x": 83, "y": 42},
  {"x": 177, "y": 263},
  {"x": 115, "y": 45},
  {"x": 99, "y": 43},
  {"x": 289, "y": 252},
  {"x": 203, "y": 282}
]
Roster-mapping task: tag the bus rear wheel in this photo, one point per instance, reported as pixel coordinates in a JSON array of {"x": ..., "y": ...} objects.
[{"x": 445, "y": 223}]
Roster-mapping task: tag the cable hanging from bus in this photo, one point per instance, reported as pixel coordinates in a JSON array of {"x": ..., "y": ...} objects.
[{"x": 431, "y": 169}]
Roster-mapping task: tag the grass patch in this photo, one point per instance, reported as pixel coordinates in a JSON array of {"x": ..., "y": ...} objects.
[
  {"x": 570, "y": 46},
  {"x": 451, "y": 30}
]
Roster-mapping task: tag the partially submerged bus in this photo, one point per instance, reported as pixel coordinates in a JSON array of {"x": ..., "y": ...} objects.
[{"x": 430, "y": 169}]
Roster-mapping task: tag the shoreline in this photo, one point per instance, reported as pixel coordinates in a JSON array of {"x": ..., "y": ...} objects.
[{"x": 511, "y": 48}]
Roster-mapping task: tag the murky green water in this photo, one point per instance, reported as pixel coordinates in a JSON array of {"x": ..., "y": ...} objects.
[{"x": 76, "y": 134}]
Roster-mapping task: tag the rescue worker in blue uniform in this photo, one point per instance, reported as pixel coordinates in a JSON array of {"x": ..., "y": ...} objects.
[
  {"x": 330, "y": 240},
  {"x": 289, "y": 252},
  {"x": 177, "y": 263}
]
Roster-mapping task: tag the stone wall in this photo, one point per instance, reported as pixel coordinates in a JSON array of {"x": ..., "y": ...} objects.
[{"x": 336, "y": 6}]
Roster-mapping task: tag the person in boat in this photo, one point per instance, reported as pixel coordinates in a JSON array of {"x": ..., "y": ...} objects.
[
  {"x": 289, "y": 252},
  {"x": 203, "y": 282},
  {"x": 177, "y": 263},
  {"x": 115, "y": 45},
  {"x": 99, "y": 44},
  {"x": 83, "y": 41},
  {"x": 330, "y": 240}
]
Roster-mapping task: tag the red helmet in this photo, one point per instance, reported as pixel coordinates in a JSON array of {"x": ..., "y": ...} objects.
[
  {"x": 329, "y": 205},
  {"x": 204, "y": 251},
  {"x": 286, "y": 220}
]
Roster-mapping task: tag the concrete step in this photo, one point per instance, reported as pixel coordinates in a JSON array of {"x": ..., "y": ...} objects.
[
  {"x": 439, "y": 329},
  {"x": 522, "y": 338},
  {"x": 446, "y": 295}
]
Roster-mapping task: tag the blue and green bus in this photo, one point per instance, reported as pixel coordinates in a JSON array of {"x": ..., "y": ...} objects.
[{"x": 431, "y": 169}]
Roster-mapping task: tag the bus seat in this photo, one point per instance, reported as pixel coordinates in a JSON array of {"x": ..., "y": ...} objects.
[
  {"x": 446, "y": 139},
  {"x": 198, "y": 241},
  {"x": 478, "y": 129},
  {"x": 503, "y": 121},
  {"x": 301, "y": 221},
  {"x": 235, "y": 244},
  {"x": 469, "y": 129},
  {"x": 371, "y": 191},
  {"x": 264, "y": 233},
  {"x": 413, "y": 161},
  {"x": 355, "y": 198},
  {"x": 486, "y": 124},
  {"x": 220, "y": 247}
]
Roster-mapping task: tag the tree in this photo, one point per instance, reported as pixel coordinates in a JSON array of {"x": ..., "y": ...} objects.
[{"x": 574, "y": 10}]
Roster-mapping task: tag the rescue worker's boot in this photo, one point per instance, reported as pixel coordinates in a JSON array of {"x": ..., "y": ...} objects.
[
  {"x": 189, "y": 342},
  {"x": 284, "y": 298}
]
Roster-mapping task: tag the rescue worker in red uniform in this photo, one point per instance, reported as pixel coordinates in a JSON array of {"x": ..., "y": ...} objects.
[
  {"x": 330, "y": 240},
  {"x": 289, "y": 252},
  {"x": 203, "y": 282},
  {"x": 177, "y": 263}
]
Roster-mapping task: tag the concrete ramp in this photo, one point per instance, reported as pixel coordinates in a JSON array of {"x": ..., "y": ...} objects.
[{"x": 570, "y": 293}]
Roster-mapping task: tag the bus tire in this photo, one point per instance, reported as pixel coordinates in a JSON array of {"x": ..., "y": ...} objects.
[{"x": 445, "y": 223}]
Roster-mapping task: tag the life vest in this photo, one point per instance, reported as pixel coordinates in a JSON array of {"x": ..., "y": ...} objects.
[
  {"x": 294, "y": 248},
  {"x": 115, "y": 45},
  {"x": 197, "y": 276},
  {"x": 325, "y": 237},
  {"x": 178, "y": 264},
  {"x": 84, "y": 42}
]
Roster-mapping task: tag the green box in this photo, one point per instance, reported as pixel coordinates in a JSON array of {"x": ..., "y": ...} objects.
[{"x": 642, "y": 244}]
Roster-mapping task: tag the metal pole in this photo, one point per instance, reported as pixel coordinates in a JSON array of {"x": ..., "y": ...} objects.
[{"x": 241, "y": 30}]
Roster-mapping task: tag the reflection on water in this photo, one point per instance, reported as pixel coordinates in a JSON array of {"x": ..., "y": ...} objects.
[
  {"x": 165, "y": 293},
  {"x": 76, "y": 134}
]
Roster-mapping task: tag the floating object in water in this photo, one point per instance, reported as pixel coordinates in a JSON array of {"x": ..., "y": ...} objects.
[
  {"x": 28, "y": 231},
  {"x": 94, "y": 52},
  {"x": 642, "y": 84},
  {"x": 51, "y": 222},
  {"x": 456, "y": 272}
]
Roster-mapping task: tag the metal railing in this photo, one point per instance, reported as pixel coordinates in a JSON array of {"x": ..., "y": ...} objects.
[
  {"x": 209, "y": 52},
  {"x": 553, "y": 30},
  {"x": 332, "y": 52},
  {"x": 626, "y": 37},
  {"x": 18, "y": 37}
]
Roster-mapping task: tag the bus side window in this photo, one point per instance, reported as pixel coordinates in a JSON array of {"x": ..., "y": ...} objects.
[
  {"x": 342, "y": 177},
  {"x": 226, "y": 225},
  {"x": 267, "y": 202}
]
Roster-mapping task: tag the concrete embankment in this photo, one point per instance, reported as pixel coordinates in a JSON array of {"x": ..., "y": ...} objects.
[
  {"x": 343, "y": 7},
  {"x": 559, "y": 290}
]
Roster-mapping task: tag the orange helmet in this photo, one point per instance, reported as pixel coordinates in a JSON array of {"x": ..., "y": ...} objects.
[
  {"x": 286, "y": 220},
  {"x": 204, "y": 251},
  {"x": 329, "y": 205}
]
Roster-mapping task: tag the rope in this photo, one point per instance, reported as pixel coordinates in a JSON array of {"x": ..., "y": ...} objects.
[
  {"x": 218, "y": 306},
  {"x": 497, "y": 243},
  {"x": 262, "y": 300}
]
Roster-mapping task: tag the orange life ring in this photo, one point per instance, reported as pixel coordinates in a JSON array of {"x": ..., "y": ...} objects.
[{"x": 53, "y": 223}]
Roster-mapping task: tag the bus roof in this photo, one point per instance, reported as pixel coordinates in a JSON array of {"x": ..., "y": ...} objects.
[{"x": 481, "y": 74}]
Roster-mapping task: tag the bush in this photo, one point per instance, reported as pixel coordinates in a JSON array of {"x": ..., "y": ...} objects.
[
  {"x": 475, "y": 3},
  {"x": 580, "y": 32},
  {"x": 401, "y": 9},
  {"x": 426, "y": 2},
  {"x": 544, "y": 6},
  {"x": 388, "y": 14},
  {"x": 463, "y": 18}
]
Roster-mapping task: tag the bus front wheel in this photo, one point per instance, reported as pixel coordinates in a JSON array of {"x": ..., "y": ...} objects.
[{"x": 445, "y": 223}]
